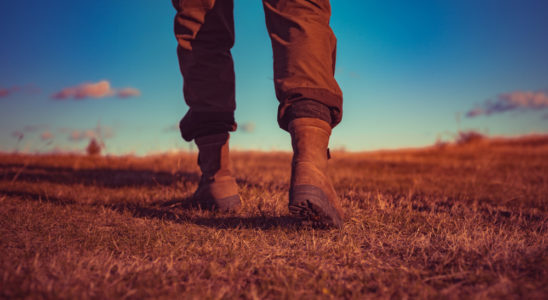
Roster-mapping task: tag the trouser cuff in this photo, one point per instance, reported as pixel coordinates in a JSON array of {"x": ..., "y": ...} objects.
[
  {"x": 305, "y": 109},
  {"x": 202, "y": 123},
  {"x": 309, "y": 103}
]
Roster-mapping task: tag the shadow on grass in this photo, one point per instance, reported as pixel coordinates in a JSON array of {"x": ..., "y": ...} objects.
[
  {"x": 182, "y": 211},
  {"x": 174, "y": 211},
  {"x": 105, "y": 177},
  {"x": 102, "y": 177}
]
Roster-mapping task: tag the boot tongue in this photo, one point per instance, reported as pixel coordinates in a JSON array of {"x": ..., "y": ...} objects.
[
  {"x": 213, "y": 157},
  {"x": 214, "y": 139},
  {"x": 213, "y": 168}
]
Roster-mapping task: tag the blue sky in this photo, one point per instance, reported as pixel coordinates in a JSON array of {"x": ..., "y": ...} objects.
[{"x": 409, "y": 70}]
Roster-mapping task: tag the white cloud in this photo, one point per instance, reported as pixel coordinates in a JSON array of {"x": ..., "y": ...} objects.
[{"x": 519, "y": 100}]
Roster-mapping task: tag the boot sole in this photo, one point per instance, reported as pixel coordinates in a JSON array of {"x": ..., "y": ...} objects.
[{"x": 310, "y": 203}]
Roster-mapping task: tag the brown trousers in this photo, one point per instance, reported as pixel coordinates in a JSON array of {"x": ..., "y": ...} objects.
[{"x": 304, "y": 49}]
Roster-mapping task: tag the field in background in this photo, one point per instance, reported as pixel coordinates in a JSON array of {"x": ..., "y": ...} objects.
[{"x": 448, "y": 221}]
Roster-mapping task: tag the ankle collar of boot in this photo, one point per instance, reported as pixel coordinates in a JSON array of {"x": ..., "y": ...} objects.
[
  {"x": 309, "y": 122},
  {"x": 214, "y": 139}
]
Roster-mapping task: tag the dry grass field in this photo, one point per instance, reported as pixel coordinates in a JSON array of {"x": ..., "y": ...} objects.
[{"x": 468, "y": 221}]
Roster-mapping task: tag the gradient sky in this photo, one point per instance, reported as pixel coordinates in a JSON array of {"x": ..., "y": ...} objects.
[{"x": 411, "y": 72}]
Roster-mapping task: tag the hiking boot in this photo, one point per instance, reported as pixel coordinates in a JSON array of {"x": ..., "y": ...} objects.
[
  {"x": 311, "y": 194},
  {"x": 217, "y": 189}
]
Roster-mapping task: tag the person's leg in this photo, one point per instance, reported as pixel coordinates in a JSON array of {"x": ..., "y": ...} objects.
[
  {"x": 205, "y": 33},
  {"x": 304, "y": 48},
  {"x": 310, "y": 101}
]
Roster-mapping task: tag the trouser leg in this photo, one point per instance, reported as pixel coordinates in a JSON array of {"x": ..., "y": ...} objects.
[
  {"x": 205, "y": 34},
  {"x": 304, "y": 48}
]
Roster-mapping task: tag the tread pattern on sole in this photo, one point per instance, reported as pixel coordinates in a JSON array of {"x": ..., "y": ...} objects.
[
  {"x": 309, "y": 203},
  {"x": 311, "y": 215}
]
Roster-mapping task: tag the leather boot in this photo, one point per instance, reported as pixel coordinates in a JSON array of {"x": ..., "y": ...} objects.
[
  {"x": 311, "y": 194},
  {"x": 218, "y": 189}
]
